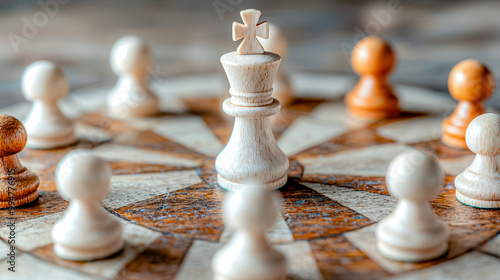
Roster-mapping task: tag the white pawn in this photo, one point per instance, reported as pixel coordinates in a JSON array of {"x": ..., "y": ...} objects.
[
  {"x": 412, "y": 232},
  {"x": 86, "y": 232},
  {"x": 131, "y": 61},
  {"x": 479, "y": 184},
  {"x": 277, "y": 43},
  {"x": 250, "y": 210},
  {"x": 47, "y": 127}
]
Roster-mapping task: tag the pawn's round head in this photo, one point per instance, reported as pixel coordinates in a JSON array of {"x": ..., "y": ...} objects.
[
  {"x": 251, "y": 208},
  {"x": 372, "y": 56},
  {"x": 470, "y": 80},
  {"x": 276, "y": 43},
  {"x": 483, "y": 135},
  {"x": 415, "y": 176},
  {"x": 44, "y": 80},
  {"x": 130, "y": 56},
  {"x": 12, "y": 136},
  {"x": 81, "y": 175}
]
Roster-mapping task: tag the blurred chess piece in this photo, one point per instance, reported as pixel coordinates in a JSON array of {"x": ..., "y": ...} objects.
[
  {"x": 412, "y": 232},
  {"x": 471, "y": 83},
  {"x": 479, "y": 185},
  {"x": 44, "y": 83},
  {"x": 373, "y": 97},
  {"x": 277, "y": 43},
  {"x": 87, "y": 231},
  {"x": 250, "y": 211},
  {"x": 18, "y": 185},
  {"x": 131, "y": 61}
]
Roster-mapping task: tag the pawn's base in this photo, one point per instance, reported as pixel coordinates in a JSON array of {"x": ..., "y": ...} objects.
[
  {"x": 453, "y": 134},
  {"x": 21, "y": 188},
  {"x": 454, "y": 142},
  {"x": 138, "y": 102},
  {"x": 20, "y": 201},
  {"x": 373, "y": 114},
  {"x": 370, "y": 102},
  {"x": 134, "y": 113},
  {"x": 218, "y": 276},
  {"x": 46, "y": 143},
  {"x": 232, "y": 186},
  {"x": 477, "y": 203},
  {"x": 478, "y": 190},
  {"x": 411, "y": 255},
  {"x": 88, "y": 254}
]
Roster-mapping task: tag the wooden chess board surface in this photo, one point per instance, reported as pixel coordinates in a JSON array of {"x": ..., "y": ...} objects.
[{"x": 165, "y": 193}]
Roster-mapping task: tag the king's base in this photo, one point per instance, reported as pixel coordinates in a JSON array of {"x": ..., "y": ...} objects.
[
  {"x": 88, "y": 254},
  {"x": 478, "y": 203},
  {"x": 231, "y": 186},
  {"x": 411, "y": 255}
]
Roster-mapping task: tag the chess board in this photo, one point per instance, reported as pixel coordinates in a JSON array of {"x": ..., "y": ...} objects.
[{"x": 165, "y": 193}]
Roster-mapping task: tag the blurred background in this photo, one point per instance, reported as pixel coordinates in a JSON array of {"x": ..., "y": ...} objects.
[{"x": 188, "y": 36}]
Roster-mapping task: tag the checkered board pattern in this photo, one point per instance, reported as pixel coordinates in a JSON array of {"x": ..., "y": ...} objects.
[{"x": 164, "y": 187}]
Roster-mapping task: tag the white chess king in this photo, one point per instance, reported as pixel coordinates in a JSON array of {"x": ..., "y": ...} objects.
[{"x": 252, "y": 152}]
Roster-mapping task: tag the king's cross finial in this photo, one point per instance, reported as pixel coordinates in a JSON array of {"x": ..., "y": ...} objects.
[{"x": 249, "y": 32}]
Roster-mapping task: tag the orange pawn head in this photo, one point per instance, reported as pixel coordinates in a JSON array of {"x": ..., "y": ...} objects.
[{"x": 471, "y": 83}]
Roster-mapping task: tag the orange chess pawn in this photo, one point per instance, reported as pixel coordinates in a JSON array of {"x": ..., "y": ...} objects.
[
  {"x": 18, "y": 185},
  {"x": 471, "y": 83},
  {"x": 372, "y": 98}
]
